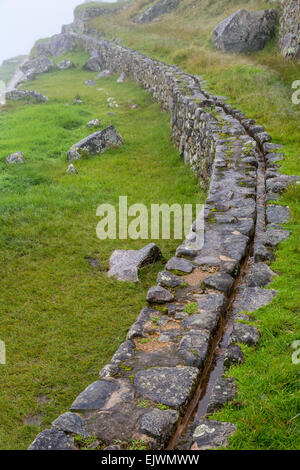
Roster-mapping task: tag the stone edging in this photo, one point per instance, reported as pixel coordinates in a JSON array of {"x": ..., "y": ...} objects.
[{"x": 148, "y": 386}]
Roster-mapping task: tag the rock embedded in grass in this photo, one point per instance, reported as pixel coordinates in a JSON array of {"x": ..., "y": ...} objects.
[
  {"x": 14, "y": 158},
  {"x": 94, "y": 123},
  {"x": 98, "y": 142},
  {"x": 124, "y": 264},
  {"x": 28, "y": 95},
  {"x": 72, "y": 170},
  {"x": 65, "y": 64}
]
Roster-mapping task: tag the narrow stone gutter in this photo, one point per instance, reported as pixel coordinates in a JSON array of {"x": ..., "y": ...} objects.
[{"x": 168, "y": 374}]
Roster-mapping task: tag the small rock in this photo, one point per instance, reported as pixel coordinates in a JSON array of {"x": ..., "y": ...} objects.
[
  {"x": 273, "y": 237},
  {"x": 77, "y": 101},
  {"x": 167, "y": 279},
  {"x": 95, "y": 396},
  {"x": 17, "y": 157},
  {"x": 73, "y": 155},
  {"x": 65, "y": 64},
  {"x": 260, "y": 275},
  {"x": 99, "y": 141},
  {"x": 104, "y": 73},
  {"x": 122, "y": 78},
  {"x": 159, "y": 295},
  {"x": 94, "y": 63},
  {"x": 180, "y": 264},
  {"x": 134, "y": 106},
  {"x": 70, "y": 423},
  {"x": 94, "y": 123},
  {"x": 72, "y": 170},
  {"x": 212, "y": 303}
]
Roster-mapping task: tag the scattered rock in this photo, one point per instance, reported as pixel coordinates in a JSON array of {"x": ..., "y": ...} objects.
[
  {"x": 224, "y": 390},
  {"x": 124, "y": 264},
  {"x": 99, "y": 141},
  {"x": 72, "y": 170},
  {"x": 171, "y": 386},
  {"x": 280, "y": 183},
  {"x": 249, "y": 299},
  {"x": 245, "y": 334},
  {"x": 159, "y": 423},
  {"x": 159, "y": 8},
  {"x": 90, "y": 83},
  {"x": 207, "y": 321},
  {"x": 212, "y": 434},
  {"x": 77, "y": 101},
  {"x": 53, "y": 439},
  {"x": 70, "y": 423},
  {"x": 159, "y": 295},
  {"x": 27, "y": 95},
  {"x": 94, "y": 123},
  {"x": 17, "y": 157},
  {"x": 65, "y": 64},
  {"x": 104, "y": 73},
  {"x": 245, "y": 31},
  {"x": 121, "y": 78}
]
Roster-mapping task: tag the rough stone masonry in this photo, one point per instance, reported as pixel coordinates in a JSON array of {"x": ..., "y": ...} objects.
[{"x": 150, "y": 381}]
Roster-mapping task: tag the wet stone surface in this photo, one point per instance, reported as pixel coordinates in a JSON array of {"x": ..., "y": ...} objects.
[
  {"x": 211, "y": 434},
  {"x": 224, "y": 390}
]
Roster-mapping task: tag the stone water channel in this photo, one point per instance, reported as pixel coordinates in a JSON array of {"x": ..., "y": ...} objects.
[{"x": 168, "y": 376}]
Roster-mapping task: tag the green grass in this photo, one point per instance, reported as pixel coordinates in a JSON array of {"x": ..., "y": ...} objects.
[
  {"x": 8, "y": 67},
  {"x": 62, "y": 319},
  {"x": 258, "y": 84}
]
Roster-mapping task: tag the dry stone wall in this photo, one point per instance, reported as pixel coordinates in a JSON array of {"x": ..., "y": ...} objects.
[
  {"x": 199, "y": 298},
  {"x": 289, "y": 35}
]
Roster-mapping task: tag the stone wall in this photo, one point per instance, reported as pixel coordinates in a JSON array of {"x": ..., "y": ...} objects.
[
  {"x": 143, "y": 392},
  {"x": 289, "y": 34}
]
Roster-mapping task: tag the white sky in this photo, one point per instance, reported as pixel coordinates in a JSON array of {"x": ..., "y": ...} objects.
[{"x": 22, "y": 22}]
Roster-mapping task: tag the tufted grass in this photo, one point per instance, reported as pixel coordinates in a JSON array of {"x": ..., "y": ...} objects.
[
  {"x": 62, "y": 319},
  {"x": 259, "y": 84}
]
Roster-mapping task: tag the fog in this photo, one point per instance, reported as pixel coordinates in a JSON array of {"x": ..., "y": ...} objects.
[{"x": 22, "y": 22}]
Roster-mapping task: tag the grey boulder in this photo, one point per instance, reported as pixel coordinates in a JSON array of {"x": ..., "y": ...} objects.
[
  {"x": 28, "y": 95},
  {"x": 94, "y": 63},
  {"x": 245, "y": 31},
  {"x": 17, "y": 157},
  {"x": 124, "y": 264},
  {"x": 65, "y": 64},
  {"x": 99, "y": 141}
]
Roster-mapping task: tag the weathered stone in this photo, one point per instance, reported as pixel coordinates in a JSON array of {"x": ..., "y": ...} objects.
[
  {"x": 73, "y": 155},
  {"x": 27, "y": 95},
  {"x": 159, "y": 423},
  {"x": 171, "y": 386},
  {"x": 249, "y": 299},
  {"x": 224, "y": 390},
  {"x": 207, "y": 321},
  {"x": 99, "y": 141},
  {"x": 156, "y": 10},
  {"x": 245, "y": 334},
  {"x": 144, "y": 317},
  {"x": 72, "y": 170},
  {"x": 168, "y": 279},
  {"x": 194, "y": 348},
  {"x": 233, "y": 356},
  {"x": 124, "y": 352},
  {"x": 289, "y": 33},
  {"x": 41, "y": 64},
  {"x": 95, "y": 63},
  {"x": 104, "y": 73},
  {"x": 262, "y": 253},
  {"x": 94, "y": 123},
  {"x": 121, "y": 78},
  {"x": 70, "y": 423},
  {"x": 212, "y": 434},
  {"x": 180, "y": 264},
  {"x": 65, "y": 65},
  {"x": 273, "y": 237},
  {"x": 260, "y": 275},
  {"x": 280, "y": 183},
  {"x": 245, "y": 31},
  {"x": 220, "y": 281},
  {"x": 95, "y": 396},
  {"x": 113, "y": 447},
  {"x": 278, "y": 214},
  {"x": 212, "y": 303},
  {"x": 124, "y": 264},
  {"x": 90, "y": 83},
  {"x": 58, "y": 45},
  {"x": 17, "y": 157},
  {"x": 159, "y": 295},
  {"x": 53, "y": 439}
]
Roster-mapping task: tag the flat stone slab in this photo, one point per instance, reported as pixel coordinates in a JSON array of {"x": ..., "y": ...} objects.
[
  {"x": 70, "y": 423},
  {"x": 212, "y": 434},
  {"x": 53, "y": 439},
  {"x": 273, "y": 237},
  {"x": 245, "y": 334},
  {"x": 171, "y": 386},
  {"x": 224, "y": 390},
  {"x": 95, "y": 396},
  {"x": 194, "y": 348},
  {"x": 159, "y": 295},
  {"x": 206, "y": 321},
  {"x": 124, "y": 264},
  {"x": 212, "y": 303},
  {"x": 98, "y": 142},
  {"x": 180, "y": 264},
  {"x": 249, "y": 299},
  {"x": 159, "y": 423}
]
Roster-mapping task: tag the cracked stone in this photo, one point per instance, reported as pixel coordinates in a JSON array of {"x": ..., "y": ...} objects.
[{"x": 171, "y": 386}]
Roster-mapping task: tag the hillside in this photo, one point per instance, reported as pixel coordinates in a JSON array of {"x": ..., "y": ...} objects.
[
  {"x": 63, "y": 317},
  {"x": 9, "y": 66}
]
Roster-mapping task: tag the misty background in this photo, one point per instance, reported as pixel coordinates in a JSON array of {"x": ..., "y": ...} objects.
[{"x": 22, "y": 22}]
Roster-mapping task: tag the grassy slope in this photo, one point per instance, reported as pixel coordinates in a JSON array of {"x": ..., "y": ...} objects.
[
  {"x": 260, "y": 85},
  {"x": 7, "y": 69},
  {"x": 61, "y": 319}
]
